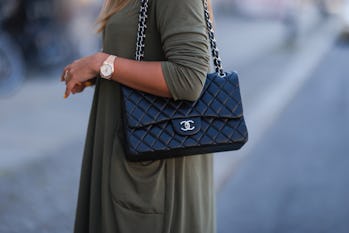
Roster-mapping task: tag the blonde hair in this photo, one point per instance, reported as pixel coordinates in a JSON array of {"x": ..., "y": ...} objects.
[{"x": 109, "y": 8}]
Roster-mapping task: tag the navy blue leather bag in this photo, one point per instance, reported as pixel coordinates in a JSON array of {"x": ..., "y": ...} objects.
[{"x": 158, "y": 128}]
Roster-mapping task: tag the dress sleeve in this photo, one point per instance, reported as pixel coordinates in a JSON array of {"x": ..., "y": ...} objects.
[{"x": 184, "y": 41}]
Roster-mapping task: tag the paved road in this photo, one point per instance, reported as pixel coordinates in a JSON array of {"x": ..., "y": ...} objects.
[
  {"x": 296, "y": 178},
  {"x": 40, "y": 197},
  {"x": 40, "y": 194}
]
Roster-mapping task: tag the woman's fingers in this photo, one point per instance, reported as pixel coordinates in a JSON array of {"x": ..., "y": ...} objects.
[
  {"x": 65, "y": 74},
  {"x": 78, "y": 88},
  {"x": 88, "y": 83},
  {"x": 83, "y": 69},
  {"x": 79, "y": 73},
  {"x": 68, "y": 90}
]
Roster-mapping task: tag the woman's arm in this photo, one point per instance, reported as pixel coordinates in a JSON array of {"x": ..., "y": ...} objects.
[
  {"x": 143, "y": 76},
  {"x": 182, "y": 76}
]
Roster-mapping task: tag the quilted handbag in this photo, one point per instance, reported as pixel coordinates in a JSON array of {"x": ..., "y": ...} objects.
[{"x": 158, "y": 128}]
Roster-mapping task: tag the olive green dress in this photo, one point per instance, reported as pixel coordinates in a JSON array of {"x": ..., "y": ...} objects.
[{"x": 165, "y": 196}]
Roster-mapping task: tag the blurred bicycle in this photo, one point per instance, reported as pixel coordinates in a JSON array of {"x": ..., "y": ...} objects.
[{"x": 33, "y": 35}]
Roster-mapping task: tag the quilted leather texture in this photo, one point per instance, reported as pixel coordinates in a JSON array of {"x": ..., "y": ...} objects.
[{"x": 157, "y": 127}]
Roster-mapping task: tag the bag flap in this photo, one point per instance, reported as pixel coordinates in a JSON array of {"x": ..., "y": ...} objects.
[{"x": 220, "y": 98}]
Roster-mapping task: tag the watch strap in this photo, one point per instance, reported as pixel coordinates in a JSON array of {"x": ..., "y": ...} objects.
[{"x": 110, "y": 60}]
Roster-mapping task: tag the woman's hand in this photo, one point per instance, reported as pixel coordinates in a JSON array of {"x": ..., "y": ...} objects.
[
  {"x": 140, "y": 75},
  {"x": 77, "y": 74}
]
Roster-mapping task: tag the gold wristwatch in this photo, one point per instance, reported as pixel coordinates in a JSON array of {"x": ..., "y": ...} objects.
[{"x": 107, "y": 69}]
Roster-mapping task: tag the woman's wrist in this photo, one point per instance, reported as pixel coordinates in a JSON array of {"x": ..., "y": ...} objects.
[{"x": 100, "y": 57}]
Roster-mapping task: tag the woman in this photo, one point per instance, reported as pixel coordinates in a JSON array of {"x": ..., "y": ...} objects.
[{"x": 164, "y": 196}]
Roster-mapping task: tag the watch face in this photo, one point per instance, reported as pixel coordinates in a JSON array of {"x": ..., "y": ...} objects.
[{"x": 106, "y": 70}]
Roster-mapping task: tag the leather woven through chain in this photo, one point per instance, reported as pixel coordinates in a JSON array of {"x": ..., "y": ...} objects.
[{"x": 151, "y": 122}]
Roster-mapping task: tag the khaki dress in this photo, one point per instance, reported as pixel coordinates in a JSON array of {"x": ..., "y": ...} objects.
[{"x": 165, "y": 196}]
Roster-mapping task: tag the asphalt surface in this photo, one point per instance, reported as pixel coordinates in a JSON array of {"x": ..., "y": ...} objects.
[
  {"x": 40, "y": 195},
  {"x": 296, "y": 177}
]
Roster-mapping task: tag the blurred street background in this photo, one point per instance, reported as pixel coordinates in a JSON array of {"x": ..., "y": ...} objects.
[{"x": 293, "y": 61}]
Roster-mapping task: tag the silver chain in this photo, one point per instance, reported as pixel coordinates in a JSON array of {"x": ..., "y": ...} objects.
[
  {"x": 142, "y": 26},
  {"x": 214, "y": 50}
]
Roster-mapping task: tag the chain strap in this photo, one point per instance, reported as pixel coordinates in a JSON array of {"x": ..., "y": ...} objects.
[
  {"x": 142, "y": 26},
  {"x": 217, "y": 61}
]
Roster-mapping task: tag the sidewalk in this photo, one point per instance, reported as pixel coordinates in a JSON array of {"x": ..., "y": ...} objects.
[{"x": 37, "y": 121}]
